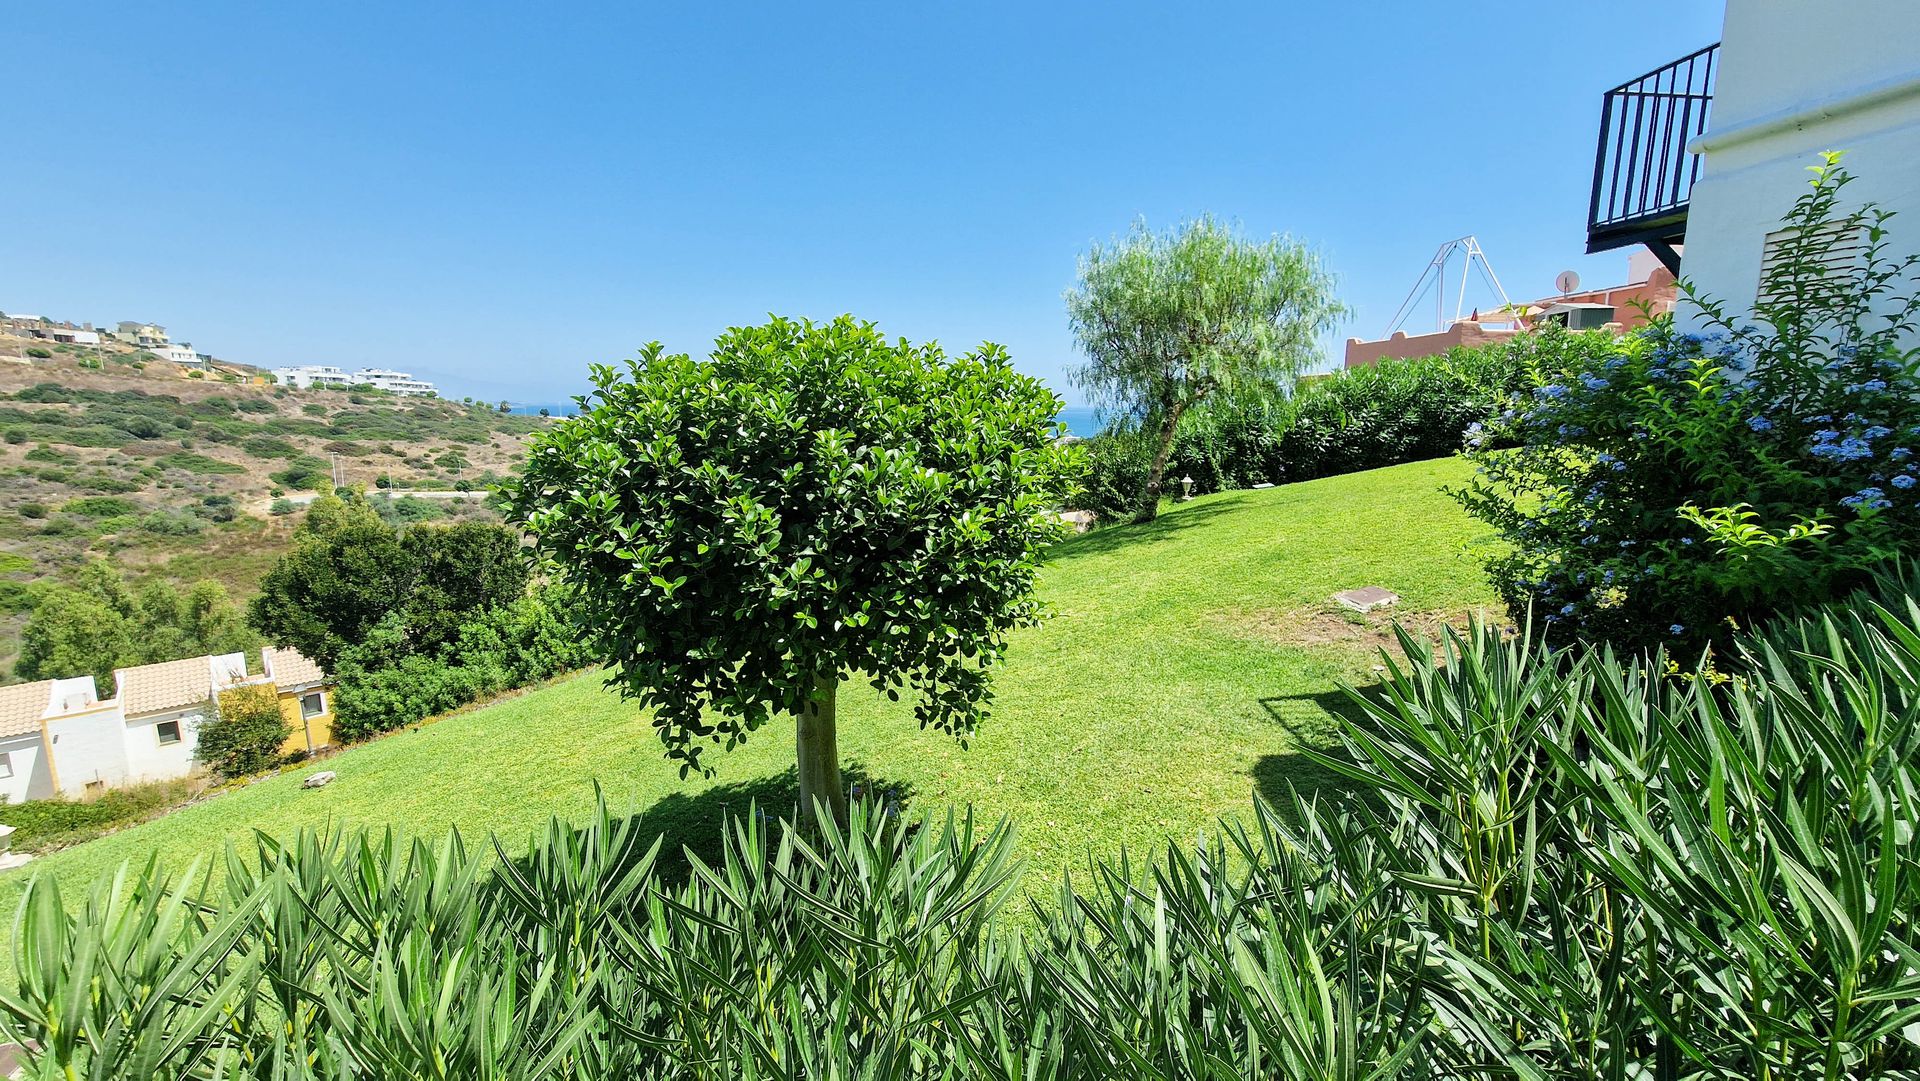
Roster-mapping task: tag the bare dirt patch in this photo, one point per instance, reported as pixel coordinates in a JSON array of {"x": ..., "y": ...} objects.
[{"x": 1332, "y": 625}]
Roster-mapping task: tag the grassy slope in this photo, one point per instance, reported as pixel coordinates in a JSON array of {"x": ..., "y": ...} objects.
[{"x": 1186, "y": 662}]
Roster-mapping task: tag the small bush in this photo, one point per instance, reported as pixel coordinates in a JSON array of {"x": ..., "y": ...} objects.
[
  {"x": 38, "y": 353},
  {"x": 173, "y": 522},
  {"x": 281, "y": 507},
  {"x": 33, "y": 510},
  {"x": 201, "y": 464},
  {"x": 305, "y": 474},
  {"x": 45, "y": 453},
  {"x": 100, "y": 506},
  {"x": 247, "y": 735}
]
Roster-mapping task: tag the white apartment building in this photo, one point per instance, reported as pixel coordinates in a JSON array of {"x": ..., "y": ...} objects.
[
  {"x": 179, "y": 353},
  {"x": 396, "y": 382},
  {"x": 308, "y": 376}
]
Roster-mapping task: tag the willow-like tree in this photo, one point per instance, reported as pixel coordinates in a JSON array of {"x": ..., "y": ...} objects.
[
  {"x": 1170, "y": 321},
  {"x": 811, "y": 503}
]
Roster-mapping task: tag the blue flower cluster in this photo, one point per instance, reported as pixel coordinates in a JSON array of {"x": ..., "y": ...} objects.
[{"x": 1867, "y": 499}]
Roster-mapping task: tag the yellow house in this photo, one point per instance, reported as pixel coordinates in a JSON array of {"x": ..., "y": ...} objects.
[{"x": 306, "y": 700}]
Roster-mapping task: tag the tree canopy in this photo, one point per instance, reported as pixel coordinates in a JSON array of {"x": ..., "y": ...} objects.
[
  {"x": 350, "y": 571},
  {"x": 811, "y": 502},
  {"x": 97, "y": 625},
  {"x": 1170, "y": 320}
]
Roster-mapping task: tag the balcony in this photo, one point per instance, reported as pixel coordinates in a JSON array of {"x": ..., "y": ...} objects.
[{"x": 1642, "y": 172}]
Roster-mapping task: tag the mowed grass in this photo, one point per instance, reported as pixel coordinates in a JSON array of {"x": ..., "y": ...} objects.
[{"x": 1186, "y": 663}]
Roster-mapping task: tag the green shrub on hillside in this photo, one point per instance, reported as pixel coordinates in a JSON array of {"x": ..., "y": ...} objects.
[
  {"x": 45, "y": 453},
  {"x": 304, "y": 474},
  {"x": 100, "y": 506},
  {"x": 201, "y": 464},
  {"x": 246, "y": 733},
  {"x": 266, "y": 446},
  {"x": 42, "y": 825}
]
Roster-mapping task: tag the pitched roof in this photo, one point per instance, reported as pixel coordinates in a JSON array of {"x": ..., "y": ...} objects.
[
  {"x": 21, "y": 707},
  {"x": 291, "y": 668},
  {"x": 148, "y": 688}
]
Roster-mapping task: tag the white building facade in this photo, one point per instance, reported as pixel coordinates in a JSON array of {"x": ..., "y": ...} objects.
[
  {"x": 1707, "y": 154},
  {"x": 394, "y": 382},
  {"x": 308, "y": 376},
  {"x": 1796, "y": 80},
  {"x": 58, "y": 738}
]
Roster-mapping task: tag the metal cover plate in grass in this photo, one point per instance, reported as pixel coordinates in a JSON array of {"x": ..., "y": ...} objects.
[{"x": 1366, "y": 598}]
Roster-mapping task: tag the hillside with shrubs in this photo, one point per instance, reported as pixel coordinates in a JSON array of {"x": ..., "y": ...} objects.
[{"x": 183, "y": 481}]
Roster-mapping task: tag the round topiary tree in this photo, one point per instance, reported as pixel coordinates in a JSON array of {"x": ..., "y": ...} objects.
[{"x": 812, "y": 503}]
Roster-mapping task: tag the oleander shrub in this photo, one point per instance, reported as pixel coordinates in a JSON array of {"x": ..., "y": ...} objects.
[
  {"x": 1673, "y": 487},
  {"x": 1550, "y": 863}
]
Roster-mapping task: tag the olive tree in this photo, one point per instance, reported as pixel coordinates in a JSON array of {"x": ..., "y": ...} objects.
[
  {"x": 811, "y": 503},
  {"x": 1168, "y": 321}
]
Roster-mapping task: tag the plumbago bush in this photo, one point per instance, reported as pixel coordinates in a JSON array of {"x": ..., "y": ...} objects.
[{"x": 1672, "y": 487}]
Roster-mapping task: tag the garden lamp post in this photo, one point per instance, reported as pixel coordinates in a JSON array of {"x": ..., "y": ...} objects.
[{"x": 1186, "y": 488}]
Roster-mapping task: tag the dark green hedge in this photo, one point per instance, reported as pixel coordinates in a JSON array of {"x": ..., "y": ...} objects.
[{"x": 1362, "y": 418}]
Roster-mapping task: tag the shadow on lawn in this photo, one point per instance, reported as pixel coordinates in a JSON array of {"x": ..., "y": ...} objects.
[
  {"x": 1115, "y": 537},
  {"x": 1310, "y": 720},
  {"x": 699, "y": 821}
]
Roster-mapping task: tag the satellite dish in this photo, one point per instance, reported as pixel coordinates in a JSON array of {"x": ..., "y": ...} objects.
[{"x": 1567, "y": 282}]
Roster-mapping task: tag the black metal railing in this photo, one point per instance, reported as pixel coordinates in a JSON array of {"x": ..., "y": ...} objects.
[{"x": 1642, "y": 172}]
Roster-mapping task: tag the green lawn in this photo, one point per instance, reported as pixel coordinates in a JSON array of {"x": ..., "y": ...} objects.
[{"x": 1186, "y": 662}]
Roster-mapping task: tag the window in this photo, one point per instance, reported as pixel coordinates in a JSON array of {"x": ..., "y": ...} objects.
[
  {"x": 6, "y": 764},
  {"x": 168, "y": 731},
  {"x": 312, "y": 705}
]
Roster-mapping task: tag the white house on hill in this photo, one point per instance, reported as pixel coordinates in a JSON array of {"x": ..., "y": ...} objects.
[{"x": 58, "y": 738}]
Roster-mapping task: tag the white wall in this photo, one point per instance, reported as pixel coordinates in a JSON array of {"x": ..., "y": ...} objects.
[
  {"x": 1798, "y": 77},
  {"x": 147, "y": 759},
  {"x": 31, "y": 778},
  {"x": 89, "y": 746}
]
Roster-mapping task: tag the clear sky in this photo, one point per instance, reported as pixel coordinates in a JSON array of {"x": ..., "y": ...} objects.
[{"x": 495, "y": 195}]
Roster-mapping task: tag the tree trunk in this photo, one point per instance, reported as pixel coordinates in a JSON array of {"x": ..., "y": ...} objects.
[
  {"x": 1150, "y": 502},
  {"x": 816, "y": 742}
]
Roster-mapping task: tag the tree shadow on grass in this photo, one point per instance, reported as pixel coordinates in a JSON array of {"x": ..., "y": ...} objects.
[
  {"x": 1310, "y": 720},
  {"x": 1112, "y": 538},
  {"x": 698, "y": 822}
]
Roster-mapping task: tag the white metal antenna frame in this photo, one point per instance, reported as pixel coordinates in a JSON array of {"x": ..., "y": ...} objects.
[{"x": 1436, "y": 274}]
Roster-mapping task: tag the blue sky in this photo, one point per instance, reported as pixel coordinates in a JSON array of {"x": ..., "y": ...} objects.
[{"x": 495, "y": 195}]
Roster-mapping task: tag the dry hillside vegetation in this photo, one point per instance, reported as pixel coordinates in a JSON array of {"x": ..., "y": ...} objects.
[{"x": 176, "y": 477}]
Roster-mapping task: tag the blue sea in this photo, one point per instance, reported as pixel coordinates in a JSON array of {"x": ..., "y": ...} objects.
[{"x": 1079, "y": 419}]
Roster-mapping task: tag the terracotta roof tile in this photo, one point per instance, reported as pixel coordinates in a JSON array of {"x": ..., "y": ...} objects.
[
  {"x": 21, "y": 707},
  {"x": 291, "y": 668},
  {"x": 149, "y": 688}
]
